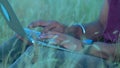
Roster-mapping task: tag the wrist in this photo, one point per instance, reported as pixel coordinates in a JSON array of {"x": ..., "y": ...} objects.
[{"x": 75, "y": 30}]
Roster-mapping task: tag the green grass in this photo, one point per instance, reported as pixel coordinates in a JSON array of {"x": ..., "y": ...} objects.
[{"x": 64, "y": 11}]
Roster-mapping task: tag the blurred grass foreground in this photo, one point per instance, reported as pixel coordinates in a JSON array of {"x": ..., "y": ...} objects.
[{"x": 65, "y": 11}]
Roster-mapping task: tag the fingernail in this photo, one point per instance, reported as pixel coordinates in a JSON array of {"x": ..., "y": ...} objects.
[{"x": 41, "y": 36}]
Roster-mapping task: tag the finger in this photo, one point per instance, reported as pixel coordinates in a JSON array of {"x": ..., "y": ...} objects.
[
  {"x": 51, "y": 27},
  {"x": 52, "y": 39},
  {"x": 50, "y": 35},
  {"x": 60, "y": 30},
  {"x": 57, "y": 35},
  {"x": 38, "y": 24},
  {"x": 48, "y": 28},
  {"x": 47, "y": 34}
]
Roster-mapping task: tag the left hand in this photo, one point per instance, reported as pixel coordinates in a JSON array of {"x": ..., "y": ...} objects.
[
  {"x": 48, "y": 26},
  {"x": 64, "y": 40}
]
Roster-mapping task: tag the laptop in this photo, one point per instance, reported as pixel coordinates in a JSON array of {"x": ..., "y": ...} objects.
[{"x": 14, "y": 23}]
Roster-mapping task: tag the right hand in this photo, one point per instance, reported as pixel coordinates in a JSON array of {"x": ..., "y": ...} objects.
[
  {"x": 61, "y": 39},
  {"x": 48, "y": 26}
]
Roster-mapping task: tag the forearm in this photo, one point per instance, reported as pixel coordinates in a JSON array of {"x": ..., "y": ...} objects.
[
  {"x": 104, "y": 50},
  {"x": 93, "y": 30}
]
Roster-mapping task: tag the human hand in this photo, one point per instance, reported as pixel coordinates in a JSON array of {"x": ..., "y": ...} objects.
[
  {"x": 48, "y": 26},
  {"x": 64, "y": 40}
]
